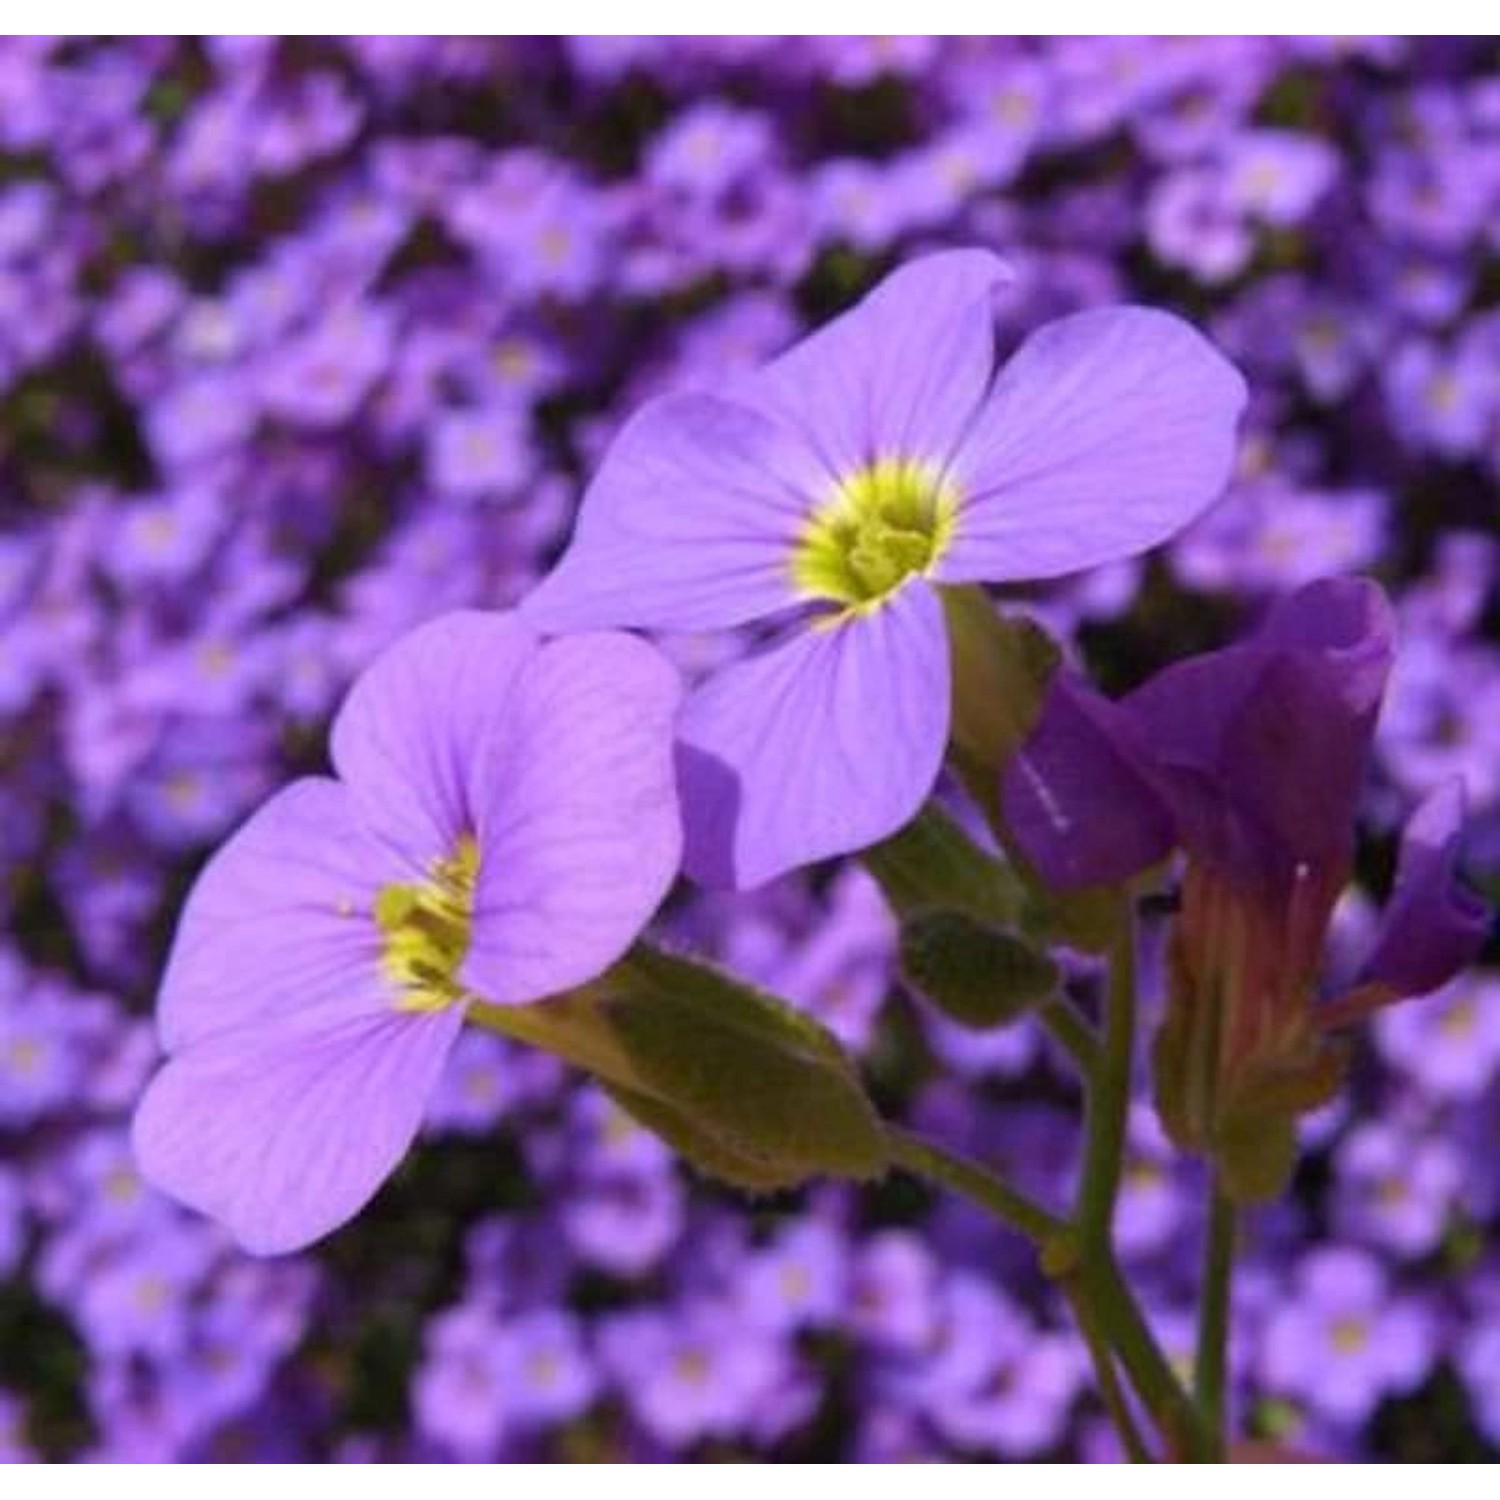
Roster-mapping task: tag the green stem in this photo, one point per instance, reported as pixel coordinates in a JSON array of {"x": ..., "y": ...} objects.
[
  {"x": 1074, "y": 1034},
  {"x": 1109, "y": 1099},
  {"x": 1116, "y": 1402},
  {"x": 1213, "y": 1318},
  {"x": 1095, "y": 1277},
  {"x": 1098, "y": 1280},
  {"x": 934, "y": 1163}
]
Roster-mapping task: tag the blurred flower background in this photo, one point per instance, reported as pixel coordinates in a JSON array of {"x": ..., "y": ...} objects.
[{"x": 302, "y": 342}]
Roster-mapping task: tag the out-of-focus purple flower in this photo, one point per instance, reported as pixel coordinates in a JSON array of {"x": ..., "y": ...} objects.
[
  {"x": 319, "y": 378},
  {"x": 504, "y": 825},
  {"x": 1394, "y": 1192},
  {"x": 461, "y": 1392},
  {"x": 1278, "y": 175},
  {"x": 881, "y": 457},
  {"x": 799, "y": 1281},
  {"x": 479, "y": 454},
  {"x": 544, "y": 1367},
  {"x": 1342, "y": 1342},
  {"x": 624, "y": 1222},
  {"x": 694, "y": 1373},
  {"x": 1450, "y": 1045},
  {"x": 895, "y": 1291}
]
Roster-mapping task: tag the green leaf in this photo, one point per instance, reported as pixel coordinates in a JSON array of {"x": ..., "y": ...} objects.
[
  {"x": 933, "y": 865},
  {"x": 976, "y": 974},
  {"x": 706, "y": 1152},
  {"x": 746, "y": 1087},
  {"x": 764, "y": 1082}
]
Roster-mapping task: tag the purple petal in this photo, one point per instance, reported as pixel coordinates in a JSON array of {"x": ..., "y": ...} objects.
[
  {"x": 1261, "y": 748},
  {"x": 284, "y": 1133},
  {"x": 413, "y": 723},
  {"x": 1433, "y": 926},
  {"x": 1078, "y": 798},
  {"x": 579, "y": 831},
  {"x": 1106, "y": 433},
  {"x": 691, "y": 523},
  {"x": 899, "y": 375},
  {"x": 823, "y": 745},
  {"x": 280, "y": 921}
]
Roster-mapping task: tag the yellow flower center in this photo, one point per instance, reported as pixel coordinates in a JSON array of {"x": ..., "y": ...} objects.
[
  {"x": 887, "y": 522},
  {"x": 426, "y": 930},
  {"x": 1350, "y": 1335}
]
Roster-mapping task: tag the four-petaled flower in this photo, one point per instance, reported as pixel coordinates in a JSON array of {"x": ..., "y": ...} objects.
[
  {"x": 835, "y": 491},
  {"x": 503, "y": 825}
]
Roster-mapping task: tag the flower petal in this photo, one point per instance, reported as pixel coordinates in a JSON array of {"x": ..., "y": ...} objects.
[
  {"x": 283, "y": 1134},
  {"x": 691, "y": 523},
  {"x": 280, "y": 921},
  {"x": 1106, "y": 433},
  {"x": 579, "y": 833},
  {"x": 1261, "y": 748},
  {"x": 823, "y": 745},
  {"x": 1433, "y": 926},
  {"x": 1078, "y": 798},
  {"x": 414, "y": 721},
  {"x": 901, "y": 374}
]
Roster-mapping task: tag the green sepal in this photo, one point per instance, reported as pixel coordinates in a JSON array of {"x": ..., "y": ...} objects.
[
  {"x": 744, "y": 1068},
  {"x": 1240, "y": 1114},
  {"x": 1256, "y": 1156},
  {"x": 1087, "y": 919},
  {"x": 1001, "y": 668},
  {"x": 748, "y": 1088},
  {"x": 977, "y": 975},
  {"x": 933, "y": 865},
  {"x": 1255, "y": 1143},
  {"x": 707, "y": 1153}
]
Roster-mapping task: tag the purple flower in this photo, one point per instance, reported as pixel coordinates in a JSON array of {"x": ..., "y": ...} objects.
[
  {"x": 1396, "y": 1191},
  {"x": 503, "y": 826},
  {"x": 1449, "y": 1047},
  {"x": 460, "y": 1392},
  {"x": 801, "y": 1281},
  {"x": 1341, "y": 1342},
  {"x": 544, "y": 1368},
  {"x": 834, "y": 491},
  {"x": 700, "y": 1372},
  {"x": 1252, "y": 760}
]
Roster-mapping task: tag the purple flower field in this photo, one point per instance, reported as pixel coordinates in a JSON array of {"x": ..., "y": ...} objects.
[{"x": 1188, "y": 349}]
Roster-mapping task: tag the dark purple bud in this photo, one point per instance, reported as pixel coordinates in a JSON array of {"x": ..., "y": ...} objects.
[
  {"x": 1433, "y": 926},
  {"x": 1076, "y": 797}
]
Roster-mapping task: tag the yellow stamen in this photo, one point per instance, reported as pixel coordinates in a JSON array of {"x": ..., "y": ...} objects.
[
  {"x": 426, "y": 929},
  {"x": 890, "y": 521}
]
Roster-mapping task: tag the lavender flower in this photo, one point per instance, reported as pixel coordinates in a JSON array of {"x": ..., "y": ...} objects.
[
  {"x": 503, "y": 825},
  {"x": 838, "y": 486}
]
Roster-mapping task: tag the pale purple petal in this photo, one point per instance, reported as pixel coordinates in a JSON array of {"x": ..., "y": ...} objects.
[
  {"x": 579, "y": 831},
  {"x": 1433, "y": 926},
  {"x": 279, "y": 921},
  {"x": 1106, "y": 433},
  {"x": 823, "y": 745},
  {"x": 691, "y": 523},
  {"x": 413, "y": 724},
  {"x": 901, "y": 374},
  {"x": 284, "y": 1134}
]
